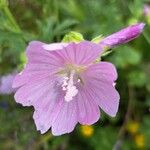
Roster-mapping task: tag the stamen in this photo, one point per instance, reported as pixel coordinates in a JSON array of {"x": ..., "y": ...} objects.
[
  {"x": 69, "y": 87},
  {"x": 79, "y": 80}
]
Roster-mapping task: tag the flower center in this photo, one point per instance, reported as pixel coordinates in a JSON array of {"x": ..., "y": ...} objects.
[
  {"x": 70, "y": 79},
  {"x": 69, "y": 86}
]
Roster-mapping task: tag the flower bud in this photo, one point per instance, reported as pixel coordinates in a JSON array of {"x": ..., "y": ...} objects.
[{"x": 123, "y": 36}]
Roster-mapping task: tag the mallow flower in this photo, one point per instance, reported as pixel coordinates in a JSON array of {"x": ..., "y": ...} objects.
[{"x": 66, "y": 85}]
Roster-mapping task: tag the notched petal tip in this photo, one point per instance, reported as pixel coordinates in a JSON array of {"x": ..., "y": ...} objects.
[
  {"x": 59, "y": 133},
  {"x": 40, "y": 127},
  {"x": 114, "y": 111}
]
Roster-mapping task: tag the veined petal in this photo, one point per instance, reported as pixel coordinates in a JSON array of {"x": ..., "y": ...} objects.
[
  {"x": 37, "y": 54},
  {"x": 82, "y": 53},
  {"x": 103, "y": 92},
  {"x": 41, "y": 63},
  {"x": 33, "y": 73},
  {"x": 66, "y": 120},
  {"x": 47, "y": 111},
  {"x": 57, "y": 114},
  {"x": 106, "y": 96},
  {"x": 88, "y": 110},
  {"x": 103, "y": 70},
  {"x": 28, "y": 94}
]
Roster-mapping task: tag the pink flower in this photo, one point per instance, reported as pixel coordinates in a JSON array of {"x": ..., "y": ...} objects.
[
  {"x": 123, "y": 36},
  {"x": 66, "y": 85},
  {"x": 6, "y": 84}
]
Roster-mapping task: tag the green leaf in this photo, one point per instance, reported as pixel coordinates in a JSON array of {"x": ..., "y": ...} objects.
[
  {"x": 125, "y": 56},
  {"x": 106, "y": 142},
  {"x": 137, "y": 78}
]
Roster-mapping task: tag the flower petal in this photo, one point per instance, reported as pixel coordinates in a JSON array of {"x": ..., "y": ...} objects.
[
  {"x": 47, "y": 112},
  {"x": 82, "y": 53},
  {"x": 61, "y": 116},
  {"x": 66, "y": 119},
  {"x": 28, "y": 94},
  {"x": 37, "y": 54},
  {"x": 88, "y": 110},
  {"x": 103, "y": 70},
  {"x": 41, "y": 63},
  {"x": 103, "y": 93},
  {"x": 106, "y": 96},
  {"x": 30, "y": 74}
]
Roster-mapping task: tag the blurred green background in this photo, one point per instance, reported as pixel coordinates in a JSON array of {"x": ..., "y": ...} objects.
[{"x": 49, "y": 20}]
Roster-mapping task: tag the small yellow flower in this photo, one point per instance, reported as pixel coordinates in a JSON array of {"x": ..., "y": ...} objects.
[
  {"x": 87, "y": 130},
  {"x": 132, "y": 127},
  {"x": 139, "y": 140}
]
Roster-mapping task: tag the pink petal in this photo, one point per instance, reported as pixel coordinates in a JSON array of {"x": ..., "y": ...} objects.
[
  {"x": 103, "y": 93},
  {"x": 28, "y": 94},
  {"x": 30, "y": 74},
  {"x": 41, "y": 63},
  {"x": 88, "y": 110},
  {"x": 103, "y": 70},
  {"x": 66, "y": 119},
  {"x": 47, "y": 112},
  {"x": 37, "y": 54},
  {"x": 61, "y": 116},
  {"x": 80, "y": 53},
  {"x": 106, "y": 96}
]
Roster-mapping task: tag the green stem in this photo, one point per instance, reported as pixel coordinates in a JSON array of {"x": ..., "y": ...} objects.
[
  {"x": 146, "y": 37},
  {"x": 11, "y": 18},
  {"x": 122, "y": 130}
]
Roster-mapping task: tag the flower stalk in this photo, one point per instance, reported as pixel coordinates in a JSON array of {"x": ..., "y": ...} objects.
[{"x": 5, "y": 9}]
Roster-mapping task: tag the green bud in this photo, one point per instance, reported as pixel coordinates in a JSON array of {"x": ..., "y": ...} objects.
[{"x": 73, "y": 37}]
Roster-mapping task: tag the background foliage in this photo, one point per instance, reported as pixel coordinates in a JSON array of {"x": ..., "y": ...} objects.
[{"x": 48, "y": 20}]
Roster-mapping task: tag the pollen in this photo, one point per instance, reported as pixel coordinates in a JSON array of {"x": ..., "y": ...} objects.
[{"x": 69, "y": 87}]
